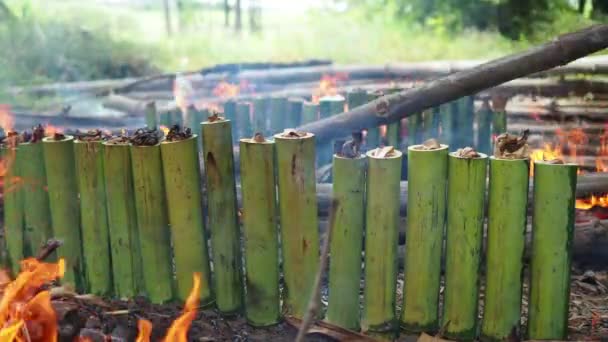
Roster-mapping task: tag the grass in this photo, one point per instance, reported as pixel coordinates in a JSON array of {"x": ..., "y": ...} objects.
[{"x": 71, "y": 40}]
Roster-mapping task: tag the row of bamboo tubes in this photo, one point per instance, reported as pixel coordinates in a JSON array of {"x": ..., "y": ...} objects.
[{"x": 132, "y": 223}]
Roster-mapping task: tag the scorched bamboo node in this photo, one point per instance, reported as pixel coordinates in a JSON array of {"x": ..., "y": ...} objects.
[
  {"x": 243, "y": 119},
  {"x": 127, "y": 269},
  {"x": 152, "y": 221},
  {"x": 184, "y": 203},
  {"x": 299, "y": 223},
  {"x": 260, "y": 231},
  {"x": 93, "y": 215},
  {"x": 426, "y": 208},
  {"x": 381, "y": 241},
  {"x": 552, "y": 231},
  {"x": 222, "y": 212},
  {"x": 347, "y": 240},
  {"x": 507, "y": 213},
  {"x": 37, "y": 216},
  {"x": 464, "y": 229},
  {"x": 13, "y": 207},
  {"x": 63, "y": 198}
]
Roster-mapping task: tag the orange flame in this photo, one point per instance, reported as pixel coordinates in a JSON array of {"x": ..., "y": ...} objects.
[
  {"x": 328, "y": 86},
  {"x": 50, "y": 130},
  {"x": 25, "y": 313},
  {"x": 549, "y": 152},
  {"x": 594, "y": 201},
  {"x": 178, "y": 331},
  {"x": 165, "y": 129}
]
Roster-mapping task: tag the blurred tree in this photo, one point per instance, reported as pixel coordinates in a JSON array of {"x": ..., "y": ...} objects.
[
  {"x": 226, "y": 13},
  {"x": 237, "y": 16}
]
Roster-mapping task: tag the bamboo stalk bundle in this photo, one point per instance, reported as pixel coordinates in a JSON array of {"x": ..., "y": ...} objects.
[
  {"x": 277, "y": 113},
  {"x": 552, "y": 232},
  {"x": 293, "y": 116},
  {"x": 13, "y": 208},
  {"x": 222, "y": 211},
  {"x": 243, "y": 119},
  {"x": 507, "y": 215},
  {"x": 484, "y": 128},
  {"x": 372, "y": 140},
  {"x": 381, "y": 242},
  {"x": 127, "y": 268},
  {"x": 427, "y": 173},
  {"x": 151, "y": 115},
  {"x": 37, "y": 218},
  {"x": 464, "y": 230},
  {"x": 260, "y": 231},
  {"x": 310, "y": 112},
  {"x": 346, "y": 243},
  {"x": 93, "y": 215},
  {"x": 295, "y": 154},
  {"x": 184, "y": 203},
  {"x": 260, "y": 111},
  {"x": 152, "y": 222},
  {"x": 63, "y": 198}
]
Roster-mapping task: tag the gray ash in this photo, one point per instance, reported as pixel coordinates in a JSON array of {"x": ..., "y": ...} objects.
[{"x": 177, "y": 133}]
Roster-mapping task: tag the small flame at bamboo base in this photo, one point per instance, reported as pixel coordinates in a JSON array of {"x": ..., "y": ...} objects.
[{"x": 27, "y": 315}]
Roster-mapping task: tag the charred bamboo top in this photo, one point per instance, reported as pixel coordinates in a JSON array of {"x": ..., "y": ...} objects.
[
  {"x": 293, "y": 134},
  {"x": 468, "y": 153},
  {"x": 258, "y": 138},
  {"x": 215, "y": 117},
  {"x": 386, "y": 152},
  {"x": 34, "y": 136},
  {"x": 509, "y": 146},
  {"x": 58, "y": 137},
  {"x": 146, "y": 137},
  {"x": 118, "y": 140},
  {"x": 178, "y": 133},
  {"x": 94, "y": 135},
  {"x": 10, "y": 140},
  {"x": 429, "y": 145},
  {"x": 350, "y": 149}
]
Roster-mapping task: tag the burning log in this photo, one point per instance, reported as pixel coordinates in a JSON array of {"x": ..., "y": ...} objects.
[
  {"x": 63, "y": 196},
  {"x": 151, "y": 210},
  {"x": 347, "y": 234},
  {"x": 182, "y": 183},
  {"x": 88, "y": 153},
  {"x": 127, "y": 268},
  {"x": 298, "y": 211},
  {"x": 464, "y": 242},
  {"x": 507, "y": 215},
  {"x": 381, "y": 242},
  {"x": 553, "y": 228},
  {"x": 13, "y": 204},
  {"x": 394, "y": 107},
  {"x": 222, "y": 212},
  {"x": 427, "y": 171},
  {"x": 260, "y": 226}
]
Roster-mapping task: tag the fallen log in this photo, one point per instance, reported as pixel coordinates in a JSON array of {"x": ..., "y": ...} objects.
[{"x": 394, "y": 107}]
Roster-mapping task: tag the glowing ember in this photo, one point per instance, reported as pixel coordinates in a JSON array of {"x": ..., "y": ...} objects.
[
  {"x": 179, "y": 329},
  {"x": 549, "y": 152},
  {"x": 165, "y": 129},
  {"x": 26, "y": 313},
  {"x": 594, "y": 201},
  {"x": 328, "y": 86},
  {"x": 50, "y": 130}
]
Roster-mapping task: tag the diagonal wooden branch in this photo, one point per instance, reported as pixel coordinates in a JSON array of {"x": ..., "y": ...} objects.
[{"x": 394, "y": 107}]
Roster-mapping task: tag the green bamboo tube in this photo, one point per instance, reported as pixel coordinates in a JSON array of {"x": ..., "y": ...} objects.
[
  {"x": 328, "y": 106},
  {"x": 464, "y": 229},
  {"x": 65, "y": 212},
  {"x": 243, "y": 119},
  {"x": 13, "y": 208},
  {"x": 507, "y": 210},
  {"x": 484, "y": 128},
  {"x": 260, "y": 109},
  {"x": 299, "y": 224},
  {"x": 381, "y": 242},
  {"x": 93, "y": 215},
  {"x": 465, "y": 122},
  {"x": 182, "y": 187},
  {"x": 152, "y": 222},
  {"x": 293, "y": 116},
  {"x": 38, "y": 229},
  {"x": 426, "y": 207},
  {"x": 222, "y": 212},
  {"x": 151, "y": 120},
  {"x": 277, "y": 113},
  {"x": 310, "y": 112},
  {"x": 164, "y": 119},
  {"x": 127, "y": 269},
  {"x": 230, "y": 114},
  {"x": 372, "y": 139},
  {"x": 552, "y": 231},
  {"x": 262, "y": 302},
  {"x": 347, "y": 241},
  {"x": 414, "y": 123}
]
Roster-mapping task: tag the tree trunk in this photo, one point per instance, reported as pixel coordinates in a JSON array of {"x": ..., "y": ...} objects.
[
  {"x": 237, "y": 16},
  {"x": 226, "y": 13},
  {"x": 167, "y": 10},
  {"x": 394, "y": 107}
]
